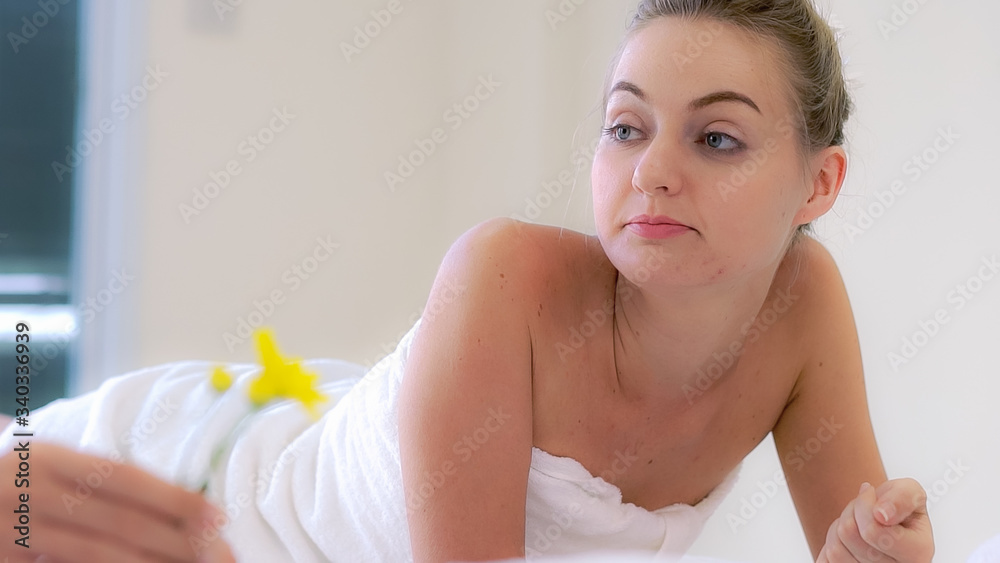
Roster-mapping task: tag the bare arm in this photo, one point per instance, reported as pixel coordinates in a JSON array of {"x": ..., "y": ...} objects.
[
  {"x": 824, "y": 437},
  {"x": 465, "y": 404}
]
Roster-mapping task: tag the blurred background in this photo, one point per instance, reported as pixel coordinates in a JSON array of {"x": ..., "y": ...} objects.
[{"x": 173, "y": 173}]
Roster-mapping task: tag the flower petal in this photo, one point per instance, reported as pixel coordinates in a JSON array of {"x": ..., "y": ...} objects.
[{"x": 221, "y": 380}]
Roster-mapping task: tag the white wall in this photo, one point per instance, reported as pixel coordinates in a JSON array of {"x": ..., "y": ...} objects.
[{"x": 322, "y": 177}]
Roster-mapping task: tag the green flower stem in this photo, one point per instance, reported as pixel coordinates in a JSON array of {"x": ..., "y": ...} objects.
[{"x": 224, "y": 445}]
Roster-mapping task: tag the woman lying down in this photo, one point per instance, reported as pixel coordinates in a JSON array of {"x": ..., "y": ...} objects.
[{"x": 571, "y": 393}]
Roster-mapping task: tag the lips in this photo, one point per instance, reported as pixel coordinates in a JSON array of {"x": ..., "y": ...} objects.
[{"x": 657, "y": 220}]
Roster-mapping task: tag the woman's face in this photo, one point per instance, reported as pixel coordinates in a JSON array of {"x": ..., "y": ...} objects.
[{"x": 698, "y": 128}]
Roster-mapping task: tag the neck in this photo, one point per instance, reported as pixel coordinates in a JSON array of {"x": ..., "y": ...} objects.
[{"x": 676, "y": 343}]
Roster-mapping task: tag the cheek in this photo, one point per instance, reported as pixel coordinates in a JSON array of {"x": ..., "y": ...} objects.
[
  {"x": 601, "y": 166},
  {"x": 605, "y": 182},
  {"x": 752, "y": 187}
]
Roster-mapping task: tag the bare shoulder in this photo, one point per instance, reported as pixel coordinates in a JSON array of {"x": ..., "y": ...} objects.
[
  {"x": 500, "y": 239},
  {"x": 824, "y": 275},
  {"x": 528, "y": 259},
  {"x": 814, "y": 279}
]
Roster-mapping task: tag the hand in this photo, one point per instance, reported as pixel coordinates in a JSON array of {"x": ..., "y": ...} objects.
[
  {"x": 887, "y": 524},
  {"x": 82, "y": 508}
]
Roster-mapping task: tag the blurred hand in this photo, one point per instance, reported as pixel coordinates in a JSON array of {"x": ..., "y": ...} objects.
[
  {"x": 884, "y": 524},
  {"x": 82, "y": 508}
]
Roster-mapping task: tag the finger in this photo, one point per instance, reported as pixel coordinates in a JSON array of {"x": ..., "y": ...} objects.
[
  {"x": 898, "y": 499},
  {"x": 118, "y": 522},
  {"x": 89, "y": 476},
  {"x": 869, "y": 540},
  {"x": 850, "y": 546},
  {"x": 146, "y": 508},
  {"x": 217, "y": 552},
  {"x": 834, "y": 549},
  {"x": 64, "y": 544},
  {"x": 211, "y": 547},
  {"x": 913, "y": 538}
]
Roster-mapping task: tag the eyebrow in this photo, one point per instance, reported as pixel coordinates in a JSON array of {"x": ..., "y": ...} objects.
[{"x": 704, "y": 101}]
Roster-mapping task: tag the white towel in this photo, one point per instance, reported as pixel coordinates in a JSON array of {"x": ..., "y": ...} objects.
[
  {"x": 989, "y": 552},
  {"x": 300, "y": 491},
  {"x": 630, "y": 556},
  {"x": 569, "y": 511}
]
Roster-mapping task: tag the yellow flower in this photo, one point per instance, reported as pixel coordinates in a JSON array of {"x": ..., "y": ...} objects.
[
  {"x": 279, "y": 378},
  {"x": 221, "y": 380},
  {"x": 282, "y": 378}
]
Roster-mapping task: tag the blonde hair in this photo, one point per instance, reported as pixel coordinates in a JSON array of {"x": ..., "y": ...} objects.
[{"x": 812, "y": 61}]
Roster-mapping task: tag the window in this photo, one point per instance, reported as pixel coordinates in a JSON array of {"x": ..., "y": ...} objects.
[{"x": 38, "y": 112}]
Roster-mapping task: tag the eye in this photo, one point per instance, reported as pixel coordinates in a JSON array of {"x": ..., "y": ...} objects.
[
  {"x": 717, "y": 141},
  {"x": 619, "y": 133}
]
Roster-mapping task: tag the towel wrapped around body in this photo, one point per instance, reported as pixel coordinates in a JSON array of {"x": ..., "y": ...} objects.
[{"x": 304, "y": 491}]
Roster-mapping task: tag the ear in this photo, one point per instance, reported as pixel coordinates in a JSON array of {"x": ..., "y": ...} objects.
[{"x": 827, "y": 170}]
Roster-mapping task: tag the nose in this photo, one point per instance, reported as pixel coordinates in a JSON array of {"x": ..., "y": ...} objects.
[{"x": 657, "y": 170}]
